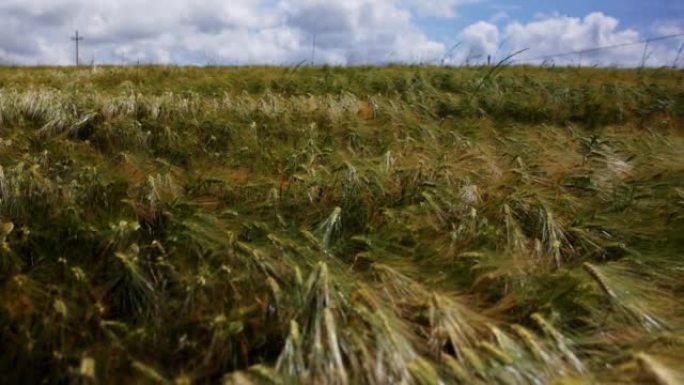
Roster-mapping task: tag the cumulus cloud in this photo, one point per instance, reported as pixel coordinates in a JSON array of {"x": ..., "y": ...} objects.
[
  {"x": 557, "y": 39},
  {"x": 669, "y": 27},
  {"x": 567, "y": 34},
  {"x": 284, "y": 31},
  {"x": 357, "y": 31},
  {"x": 482, "y": 38},
  {"x": 217, "y": 31}
]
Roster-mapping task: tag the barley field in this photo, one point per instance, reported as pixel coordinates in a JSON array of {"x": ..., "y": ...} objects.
[{"x": 324, "y": 225}]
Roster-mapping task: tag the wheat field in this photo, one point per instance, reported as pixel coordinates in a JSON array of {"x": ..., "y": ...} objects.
[{"x": 324, "y": 225}]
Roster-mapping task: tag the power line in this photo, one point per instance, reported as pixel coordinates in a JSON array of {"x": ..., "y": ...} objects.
[{"x": 595, "y": 49}]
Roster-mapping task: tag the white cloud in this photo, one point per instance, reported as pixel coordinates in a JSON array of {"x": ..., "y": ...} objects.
[
  {"x": 550, "y": 35},
  {"x": 563, "y": 34},
  {"x": 358, "y": 31},
  {"x": 282, "y": 32},
  {"x": 670, "y": 27},
  {"x": 482, "y": 39},
  {"x": 217, "y": 31}
]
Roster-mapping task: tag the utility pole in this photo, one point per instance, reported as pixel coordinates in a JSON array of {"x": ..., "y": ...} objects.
[
  {"x": 76, "y": 39},
  {"x": 313, "y": 50},
  {"x": 679, "y": 53},
  {"x": 644, "y": 57}
]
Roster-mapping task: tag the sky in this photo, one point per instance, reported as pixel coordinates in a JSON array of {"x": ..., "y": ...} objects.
[{"x": 350, "y": 32}]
